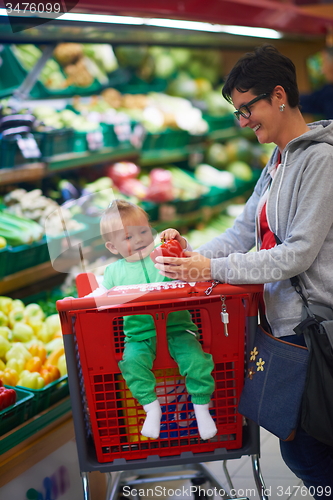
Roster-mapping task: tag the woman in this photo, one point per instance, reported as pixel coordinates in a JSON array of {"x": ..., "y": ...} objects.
[{"x": 292, "y": 200}]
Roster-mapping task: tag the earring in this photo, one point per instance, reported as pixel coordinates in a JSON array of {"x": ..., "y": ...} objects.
[{"x": 282, "y": 107}]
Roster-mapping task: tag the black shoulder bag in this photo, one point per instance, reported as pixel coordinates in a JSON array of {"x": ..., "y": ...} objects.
[{"x": 317, "y": 402}]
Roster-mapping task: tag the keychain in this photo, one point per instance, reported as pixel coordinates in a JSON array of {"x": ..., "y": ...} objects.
[{"x": 224, "y": 316}]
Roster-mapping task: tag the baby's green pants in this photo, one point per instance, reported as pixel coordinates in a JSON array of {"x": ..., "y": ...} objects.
[{"x": 194, "y": 364}]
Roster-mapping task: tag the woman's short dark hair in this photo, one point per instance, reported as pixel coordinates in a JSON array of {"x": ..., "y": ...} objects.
[{"x": 261, "y": 71}]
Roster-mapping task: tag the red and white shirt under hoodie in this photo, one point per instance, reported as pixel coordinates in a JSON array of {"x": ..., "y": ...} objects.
[{"x": 266, "y": 236}]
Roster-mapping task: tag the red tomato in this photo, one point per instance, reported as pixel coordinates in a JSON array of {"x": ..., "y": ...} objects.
[{"x": 171, "y": 248}]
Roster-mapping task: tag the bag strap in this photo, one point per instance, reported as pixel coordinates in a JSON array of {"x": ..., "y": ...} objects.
[{"x": 311, "y": 319}]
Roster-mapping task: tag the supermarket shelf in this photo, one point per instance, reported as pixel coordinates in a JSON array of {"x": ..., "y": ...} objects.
[
  {"x": 35, "y": 171},
  {"x": 162, "y": 156},
  {"x": 26, "y": 277},
  {"x": 22, "y": 173},
  {"x": 86, "y": 159}
]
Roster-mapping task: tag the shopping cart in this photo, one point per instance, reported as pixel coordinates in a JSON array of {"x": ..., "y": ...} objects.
[{"x": 107, "y": 420}]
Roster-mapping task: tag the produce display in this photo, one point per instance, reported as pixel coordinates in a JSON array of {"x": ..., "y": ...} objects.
[
  {"x": 72, "y": 63},
  {"x": 84, "y": 62},
  {"x": 51, "y": 75},
  {"x": 155, "y": 111},
  {"x": 31, "y": 345},
  {"x": 18, "y": 230},
  {"x": 34, "y": 209}
]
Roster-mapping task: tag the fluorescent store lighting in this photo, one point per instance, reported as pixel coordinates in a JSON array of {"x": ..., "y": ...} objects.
[
  {"x": 249, "y": 31},
  {"x": 216, "y": 28},
  {"x": 101, "y": 18},
  {"x": 162, "y": 23}
]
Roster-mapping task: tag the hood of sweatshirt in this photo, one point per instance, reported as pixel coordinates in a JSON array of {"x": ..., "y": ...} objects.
[{"x": 320, "y": 132}]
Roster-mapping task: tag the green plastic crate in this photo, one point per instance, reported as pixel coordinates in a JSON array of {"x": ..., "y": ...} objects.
[
  {"x": 55, "y": 142},
  {"x": 3, "y": 261},
  {"x": 166, "y": 139},
  {"x": 151, "y": 209},
  {"x": 186, "y": 206},
  {"x": 138, "y": 86},
  {"x": 219, "y": 122},
  {"x": 48, "y": 396},
  {"x": 81, "y": 142},
  {"x": 10, "y": 75},
  {"x": 11, "y": 155},
  {"x": 215, "y": 196},
  {"x": 16, "y": 414},
  {"x": 25, "y": 256},
  {"x": 109, "y": 135}
]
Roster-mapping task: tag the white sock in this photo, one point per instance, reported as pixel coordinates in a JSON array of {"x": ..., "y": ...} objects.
[
  {"x": 206, "y": 425},
  {"x": 152, "y": 424}
]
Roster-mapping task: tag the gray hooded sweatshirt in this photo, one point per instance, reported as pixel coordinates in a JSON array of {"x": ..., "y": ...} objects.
[{"x": 300, "y": 213}]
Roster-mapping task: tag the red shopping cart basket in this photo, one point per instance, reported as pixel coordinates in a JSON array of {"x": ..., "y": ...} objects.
[{"x": 113, "y": 418}]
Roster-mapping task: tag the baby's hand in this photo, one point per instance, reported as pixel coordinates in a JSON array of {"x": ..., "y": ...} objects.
[{"x": 173, "y": 234}]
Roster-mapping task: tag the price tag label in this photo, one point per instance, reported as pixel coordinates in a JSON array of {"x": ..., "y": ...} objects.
[
  {"x": 29, "y": 147},
  {"x": 95, "y": 140}
]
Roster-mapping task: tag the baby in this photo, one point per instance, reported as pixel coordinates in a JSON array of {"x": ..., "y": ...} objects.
[{"x": 126, "y": 231}]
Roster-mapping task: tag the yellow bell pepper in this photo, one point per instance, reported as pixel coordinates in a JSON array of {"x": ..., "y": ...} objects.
[
  {"x": 5, "y": 304},
  {"x": 55, "y": 355},
  {"x": 18, "y": 350},
  {"x": 38, "y": 350},
  {"x": 3, "y": 319},
  {"x": 32, "y": 380},
  {"x": 50, "y": 373},
  {"x": 43, "y": 334},
  {"x": 22, "y": 332},
  {"x": 5, "y": 346},
  {"x": 33, "y": 312},
  {"x": 53, "y": 324},
  {"x": 2, "y": 365},
  {"x": 9, "y": 376},
  {"x": 15, "y": 316},
  {"x": 5, "y": 332},
  {"x": 17, "y": 364},
  {"x": 33, "y": 364},
  {"x": 17, "y": 304},
  {"x": 62, "y": 365}
]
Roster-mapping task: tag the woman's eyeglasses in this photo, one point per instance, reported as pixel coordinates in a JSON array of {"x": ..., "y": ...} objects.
[{"x": 244, "y": 110}]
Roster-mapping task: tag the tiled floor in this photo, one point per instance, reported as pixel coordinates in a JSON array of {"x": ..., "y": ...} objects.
[{"x": 280, "y": 482}]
